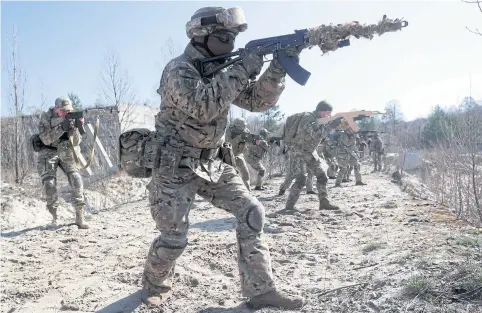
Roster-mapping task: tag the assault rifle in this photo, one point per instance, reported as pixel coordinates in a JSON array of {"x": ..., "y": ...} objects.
[
  {"x": 276, "y": 140},
  {"x": 349, "y": 117},
  {"x": 75, "y": 118},
  {"x": 326, "y": 37},
  {"x": 368, "y": 133}
]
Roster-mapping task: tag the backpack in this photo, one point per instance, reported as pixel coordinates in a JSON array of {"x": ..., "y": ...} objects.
[
  {"x": 131, "y": 151},
  {"x": 291, "y": 127}
]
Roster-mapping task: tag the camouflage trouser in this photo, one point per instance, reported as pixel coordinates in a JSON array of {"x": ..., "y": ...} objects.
[
  {"x": 289, "y": 179},
  {"x": 348, "y": 172},
  {"x": 299, "y": 166},
  {"x": 377, "y": 161},
  {"x": 332, "y": 167},
  {"x": 243, "y": 170},
  {"x": 47, "y": 163},
  {"x": 171, "y": 199},
  {"x": 344, "y": 162},
  {"x": 257, "y": 166}
]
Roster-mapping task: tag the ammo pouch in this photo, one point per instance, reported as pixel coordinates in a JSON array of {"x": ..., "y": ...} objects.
[
  {"x": 227, "y": 155},
  {"x": 38, "y": 145},
  {"x": 132, "y": 152}
]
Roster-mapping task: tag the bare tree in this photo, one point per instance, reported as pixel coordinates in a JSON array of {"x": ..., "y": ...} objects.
[
  {"x": 479, "y": 4},
  {"x": 17, "y": 93},
  {"x": 116, "y": 90},
  {"x": 169, "y": 50}
]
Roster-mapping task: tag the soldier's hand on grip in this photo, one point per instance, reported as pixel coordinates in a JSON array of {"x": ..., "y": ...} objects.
[
  {"x": 292, "y": 52},
  {"x": 253, "y": 64}
]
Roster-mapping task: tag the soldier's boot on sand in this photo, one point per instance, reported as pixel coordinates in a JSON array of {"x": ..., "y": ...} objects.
[
  {"x": 53, "y": 212},
  {"x": 326, "y": 205},
  {"x": 276, "y": 299},
  {"x": 155, "y": 298},
  {"x": 346, "y": 180},
  {"x": 337, "y": 185},
  {"x": 281, "y": 192},
  {"x": 332, "y": 177},
  {"x": 80, "y": 219},
  {"x": 311, "y": 192},
  {"x": 359, "y": 183}
]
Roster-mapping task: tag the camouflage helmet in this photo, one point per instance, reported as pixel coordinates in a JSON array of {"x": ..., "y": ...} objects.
[
  {"x": 264, "y": 132},
  {"x": 64, "y": 104},
  {"x": 207, "y": 20},
  {"x": 240, "y": 123}
]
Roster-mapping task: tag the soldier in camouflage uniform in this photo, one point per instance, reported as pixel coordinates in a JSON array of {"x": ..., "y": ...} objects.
[
  {"x": 302, "y": 134},
  {"x": 256, "y": 154},
  {"x": 376, "y": 148},
  {"x": 329, "y": 154},
  {"x": 239, "y": 136},
  {"x": 346, "y": 156},
  {"x": 191, "y": 125},
  {"x": 54, "y": 132}
]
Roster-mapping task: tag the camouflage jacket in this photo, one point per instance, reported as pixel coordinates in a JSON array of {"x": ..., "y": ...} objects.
[
  {"x": 237, "y": 139},
  {"x": 346, "y": 145},
  {"x": 258, "y": 151},
  {"x": 51, "y": 132},
  {"x": 328, "y": 149},
  {"x": 194, "y": 110},
  {"x": 308, "y": 135},
  {"x": 376, "y": 145}
]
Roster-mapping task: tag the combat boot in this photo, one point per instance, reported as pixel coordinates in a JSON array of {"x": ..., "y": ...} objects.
[
  {"x": 311, "y": 192},
  {"x": 359, "y": 183},
  {"x": 332, "y": 177},
  {"x": 79, "y": 218},
  {"x": 259, "y": 188},
  {"x": 281, "y": 192},
  {"x": 326, "y": 205},
  {"x": 276, "y": 299},
  {"x": 346, "y": 181},
  {"x": 337, "y": 185},
  {"x": 155, "y": 298},
  {"x": 53, "y": 212}
]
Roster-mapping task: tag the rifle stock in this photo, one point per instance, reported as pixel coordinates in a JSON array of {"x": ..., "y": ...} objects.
[{"x": 349, "y": 118}]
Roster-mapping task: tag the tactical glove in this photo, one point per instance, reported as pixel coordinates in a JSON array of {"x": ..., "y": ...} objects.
[
  {"x": 66, "y": 125},
  {"x": 291, "y": 52},
  {"x": 253, "y": 64}
]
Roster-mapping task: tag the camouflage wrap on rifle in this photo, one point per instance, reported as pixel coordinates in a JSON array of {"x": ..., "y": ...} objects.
[{"x": 326, "y": 37}]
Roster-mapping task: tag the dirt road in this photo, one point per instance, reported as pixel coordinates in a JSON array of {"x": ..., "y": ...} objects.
[{"x": 378, "y": 245}]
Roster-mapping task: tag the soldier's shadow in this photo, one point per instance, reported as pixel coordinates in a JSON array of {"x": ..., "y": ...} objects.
[
  {"x": 218, "y": 225},
  {"x": 26, "y": 230},
  {"x": 125, "y": 305}
]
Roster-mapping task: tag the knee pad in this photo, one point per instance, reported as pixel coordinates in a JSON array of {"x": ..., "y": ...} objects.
[
  {"x": 169, "y": 251},
  {"x": 255, "y": 217},
  {"x": 323, "y": 179}
]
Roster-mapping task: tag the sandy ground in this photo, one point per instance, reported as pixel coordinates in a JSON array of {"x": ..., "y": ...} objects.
[{"x": 382, "y": 240}]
